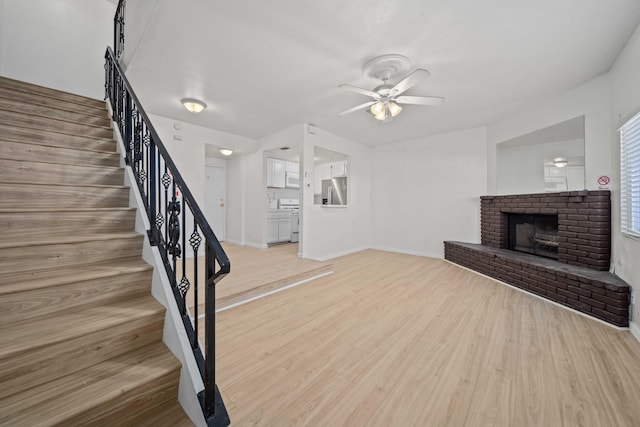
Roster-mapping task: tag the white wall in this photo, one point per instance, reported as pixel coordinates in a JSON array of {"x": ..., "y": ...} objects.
[
  {"x": 58, "y": 43},
  {"x": 2, "y": 37},
  {"x": 625, "y": 88},
  {"x": 428, "y": 190},
  {"x": 591, "y": 99},
  {"x": 520, "y": 168},
  {"x": 327, "y": 232},
  {"x": 138, "y": 15}
]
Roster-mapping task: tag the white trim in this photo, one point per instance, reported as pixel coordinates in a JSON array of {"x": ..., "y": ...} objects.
[
  {"x": 266, "y": 294},
  {"x": 635, "y": 330},
  {"x": 174, "y": 335},
  {"x": 256, "y": 245},
  {"x": 408, "y": 252},
  {"x": 339, "y": 254},
  {"x": 619, "y": 328}
]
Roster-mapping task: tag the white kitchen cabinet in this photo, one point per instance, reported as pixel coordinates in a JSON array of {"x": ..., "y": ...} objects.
[
  {"x": 275, "y": 173},
  {"x": 272, "y": 230},
  {"x": 292, "y": 167},
  {"x": 284, "y": 229},
  {"x": 278, "y": 226}
]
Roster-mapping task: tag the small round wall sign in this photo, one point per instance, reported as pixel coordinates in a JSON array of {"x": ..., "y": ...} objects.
[{"x": 603, "y": 180}]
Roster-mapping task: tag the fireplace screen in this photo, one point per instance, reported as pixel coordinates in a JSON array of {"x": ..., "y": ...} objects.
[{"x": 534, "y": 234}]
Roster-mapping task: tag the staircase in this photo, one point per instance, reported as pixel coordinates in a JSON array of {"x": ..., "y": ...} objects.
[{"x": 80, "y": 333}]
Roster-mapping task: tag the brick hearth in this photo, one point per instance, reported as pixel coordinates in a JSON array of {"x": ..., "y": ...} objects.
[{"x": 579, "y": 278}]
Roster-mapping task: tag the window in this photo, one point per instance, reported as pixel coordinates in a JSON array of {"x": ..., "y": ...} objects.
[{"x": 630, "y": 176}]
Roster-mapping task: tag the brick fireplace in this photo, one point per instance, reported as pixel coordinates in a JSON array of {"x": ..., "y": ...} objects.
[
  {"x": 578, "y": 275},
  {"x": 584, "y": 223}
]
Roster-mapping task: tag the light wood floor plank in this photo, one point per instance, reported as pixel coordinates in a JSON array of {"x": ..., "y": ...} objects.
[{"x": 391, "y": 339}]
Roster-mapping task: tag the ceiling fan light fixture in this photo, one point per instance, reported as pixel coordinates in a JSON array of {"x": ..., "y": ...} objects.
[
  {"x": 377, "y": 108},
  {"x": 394, "y": 108},
  {"x": 226, "y": 151},
  {"x": 193, "y": 105},
  {"x": 560, "y": 162}
]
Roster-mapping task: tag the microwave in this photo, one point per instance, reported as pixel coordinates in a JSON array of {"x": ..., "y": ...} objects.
[{"x": 292, "y": 180}]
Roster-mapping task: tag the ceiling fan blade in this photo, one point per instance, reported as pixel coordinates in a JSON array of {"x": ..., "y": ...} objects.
[
  {"x": 374, "y": 95},
  {"x": 410, "y": 81},
  {"x": 420, "y": 100},
  {"x": 359, "y": 107}
]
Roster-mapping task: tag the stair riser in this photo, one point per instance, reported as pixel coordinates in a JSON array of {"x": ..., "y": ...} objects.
[
  {"x": 17, "y": 226},
  {"x": 58, "y": 196},
  {"x": 15, "y": 95},
  {"x": 43, "y": 153},
  {"x": 130, "y": 407},
  {"x": 46, "y": 173},
  {"x": 54, "y": 113},
  {"x": 44, "y": 123},
  {"x": 29, "y": 304},
  {"x": 48, "y": 92},
  {"x": 55, "y": 361},
  {"x": 37, "y": 136},
  {"x": 41, "y": 257}
]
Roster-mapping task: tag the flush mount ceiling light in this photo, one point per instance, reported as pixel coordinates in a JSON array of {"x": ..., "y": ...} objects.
[
  {"x": 226, "y": 151},
  {"x": 560, "y": 162},
  {"x": 193, "y": 105}
]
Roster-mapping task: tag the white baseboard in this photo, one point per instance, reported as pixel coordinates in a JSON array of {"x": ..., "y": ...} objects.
[
  {"x": 234, "y": 242},
  {"x": 635, "y": 330},
  {"x": 408, "y": 252},
  {"x": 339, "y": 254},
  {"x": 255, "y": 245}
]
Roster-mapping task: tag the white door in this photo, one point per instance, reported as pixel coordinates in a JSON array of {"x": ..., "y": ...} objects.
[{"x": 216, "y": 200}]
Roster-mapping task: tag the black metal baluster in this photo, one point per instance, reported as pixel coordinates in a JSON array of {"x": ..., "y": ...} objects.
[
  {"x": 152, "y": 193},
  {"x": 210, "y": 333},
  {"x": 184, "y": 282},
  {"x": 195, "y": 239}
]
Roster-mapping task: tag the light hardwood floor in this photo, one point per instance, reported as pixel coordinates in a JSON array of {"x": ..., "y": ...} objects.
[
  {"x": 397, "y": 340},
  {"x": 256, "y": 272}
]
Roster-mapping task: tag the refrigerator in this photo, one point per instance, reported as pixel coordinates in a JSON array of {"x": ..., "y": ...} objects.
[{"x": 334, "y": 191}]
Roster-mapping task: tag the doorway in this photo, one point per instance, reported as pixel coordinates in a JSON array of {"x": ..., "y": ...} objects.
[{"x": 216, "y": 196}]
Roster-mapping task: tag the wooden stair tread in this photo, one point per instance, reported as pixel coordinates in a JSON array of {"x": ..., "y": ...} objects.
[
  {"x": 6, "y": 110},
  {"x": 58, "y": 132},
  {"x": 4, "y": 138},
  {"x": 78, "y": 238},
  {"x": 62, "y": 399},
  {"x": 62, "y": 185},
  {"x": 20, "y": 337},
  {"x": 30, "y": 280},
  {"x": 32, "y": 121},
  {"x": 32, "y": 88},
  {"x": 96, "y": 210},
  {"x": 75, "y": 165},
  {"x": 54, "y": 112}
]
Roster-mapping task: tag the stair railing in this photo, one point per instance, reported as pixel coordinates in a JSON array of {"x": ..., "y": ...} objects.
[
  {"x": 118, "y": 29},
  {"x": 172, "y": 212}
]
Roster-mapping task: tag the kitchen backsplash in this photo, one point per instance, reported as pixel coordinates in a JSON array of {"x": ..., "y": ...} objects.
[{"x": 273, "y": 194}]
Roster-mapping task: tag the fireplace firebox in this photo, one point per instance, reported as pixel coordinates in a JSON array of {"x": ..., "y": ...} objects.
[{"x": 535, "y": 234}]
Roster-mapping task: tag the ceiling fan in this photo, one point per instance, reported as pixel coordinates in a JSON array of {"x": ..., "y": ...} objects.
[{"x": 387, "y": 99}]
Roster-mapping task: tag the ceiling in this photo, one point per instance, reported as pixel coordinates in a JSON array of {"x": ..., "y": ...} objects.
[{"x": 262, "y": 67}]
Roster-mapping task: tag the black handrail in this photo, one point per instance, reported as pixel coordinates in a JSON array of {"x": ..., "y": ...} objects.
[
  {"x": 167, "y": 198},
  {"x": 118, "y": 29}
]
